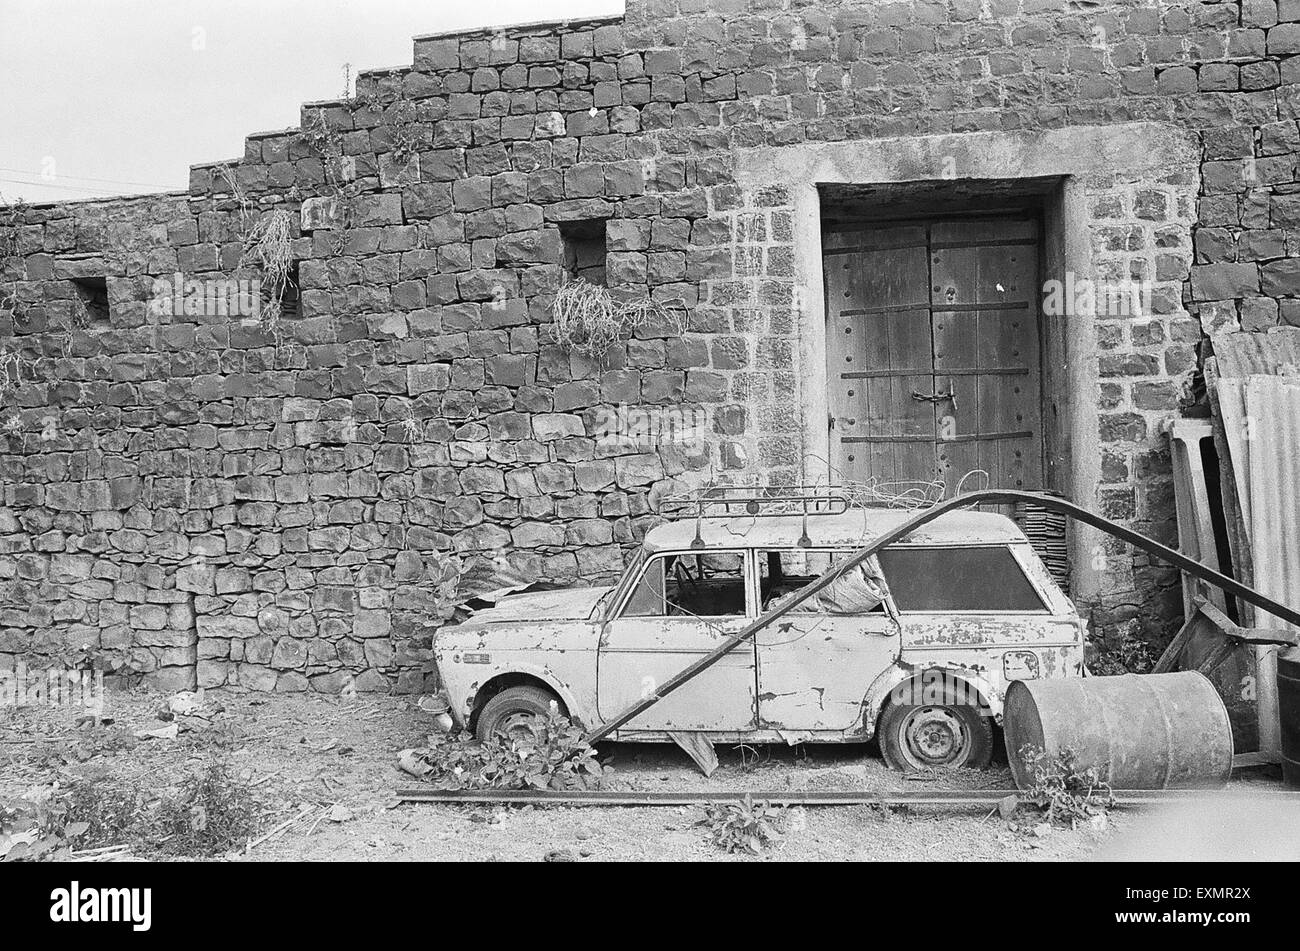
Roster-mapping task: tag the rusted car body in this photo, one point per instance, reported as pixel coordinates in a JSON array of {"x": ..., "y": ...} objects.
[{"x": 925, "y": 641}]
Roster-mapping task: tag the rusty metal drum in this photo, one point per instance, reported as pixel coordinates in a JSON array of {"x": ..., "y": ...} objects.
[
  {"x": 1147, "y": 731},
  {"x": 1288, "y": 707}
]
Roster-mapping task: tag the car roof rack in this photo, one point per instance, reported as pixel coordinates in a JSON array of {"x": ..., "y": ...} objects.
[{"x": 741, "y": 501}]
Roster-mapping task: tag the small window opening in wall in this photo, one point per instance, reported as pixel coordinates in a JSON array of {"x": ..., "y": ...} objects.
[
  {"x": 584, "y": 250},
  {"x": 289, "y": 296},
  {"x": 92, "y": 298}
]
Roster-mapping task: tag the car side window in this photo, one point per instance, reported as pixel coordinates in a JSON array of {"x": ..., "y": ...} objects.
[
  {"x": 701, "y": 585},
  {"x": 861, "y": 589},
  {"x": 975, "y": 578}
]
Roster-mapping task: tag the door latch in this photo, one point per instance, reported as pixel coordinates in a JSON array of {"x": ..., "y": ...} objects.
[{"x": 937, "y": 397}]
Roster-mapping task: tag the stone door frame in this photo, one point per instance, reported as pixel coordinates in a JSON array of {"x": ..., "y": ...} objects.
[{"x": 1087, "y": 160}]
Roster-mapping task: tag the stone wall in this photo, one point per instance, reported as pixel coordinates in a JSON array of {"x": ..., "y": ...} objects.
[{"x": 280, "y": 507}]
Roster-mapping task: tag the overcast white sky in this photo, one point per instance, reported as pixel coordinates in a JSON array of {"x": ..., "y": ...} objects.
[{"x": 104, "y": 97}]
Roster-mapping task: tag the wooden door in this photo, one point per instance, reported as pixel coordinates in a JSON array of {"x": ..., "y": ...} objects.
[{"x": 933, "y": 353}]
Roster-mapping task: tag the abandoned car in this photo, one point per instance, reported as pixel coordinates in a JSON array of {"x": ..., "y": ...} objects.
[{"x": 915, "y": 647}]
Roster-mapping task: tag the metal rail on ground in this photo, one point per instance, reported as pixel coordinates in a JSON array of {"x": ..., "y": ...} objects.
[{"x": 945, "y": 798}]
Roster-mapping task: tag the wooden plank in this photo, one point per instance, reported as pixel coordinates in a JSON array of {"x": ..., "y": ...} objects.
[
  {"x": 1173, "y": 653},
  {"x": 879, "y": 238},
  {"x": 984, "y": 299},
  {"x": 1234, "y": 517},
  {"x": 912, "y": 345},
  {"x": 954, "y": 371},
  {"x": 968, "y": 437},
  {"x": 1019, "y": 403},
  {"x": 1196, "y": 534},
  {"x": 956, "y": 308},
  {"x": 876, "y": 298},
  {"x": 983, "y": 230}
]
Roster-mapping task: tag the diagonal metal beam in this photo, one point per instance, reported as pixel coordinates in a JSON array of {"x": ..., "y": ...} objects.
[{"x": 989, "y": 496}]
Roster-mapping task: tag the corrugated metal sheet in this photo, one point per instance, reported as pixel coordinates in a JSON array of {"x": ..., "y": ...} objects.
[
  {"x": 1273, "y": 411},
  {"x": 1273, "y": 407},
  {"x": 1257, "y": 382},
  {"x": 1237, "y": 357},
  {"x": 1271, "y": 353}
]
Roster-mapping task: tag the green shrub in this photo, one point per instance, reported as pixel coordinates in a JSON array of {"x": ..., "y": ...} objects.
[
  {"x": 555, "y": 756},
  {"x": 1121, "y": 653},
  {"x": 213, "y": 812},
  {"x": 35, "y": 827},
  {"x": 744, "y": 826},
  {"x": 112, "y": 812},
  {"x": 1063, "y": 790}
]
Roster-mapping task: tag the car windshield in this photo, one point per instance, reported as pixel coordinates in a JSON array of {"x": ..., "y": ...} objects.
[{"x": 615, "y": 593}]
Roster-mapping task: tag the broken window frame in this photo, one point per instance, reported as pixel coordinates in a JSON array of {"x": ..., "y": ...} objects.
[
  {"x": 885, "y": 606},
  {"x": 625, "y": 589},
  {"x": 626, "y": 598}
]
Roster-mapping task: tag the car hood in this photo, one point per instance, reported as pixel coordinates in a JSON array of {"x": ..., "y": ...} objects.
[{"x": 564, "y": 604}]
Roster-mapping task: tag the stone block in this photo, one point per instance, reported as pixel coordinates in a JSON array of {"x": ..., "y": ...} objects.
[{"x": 227, "y": 626}]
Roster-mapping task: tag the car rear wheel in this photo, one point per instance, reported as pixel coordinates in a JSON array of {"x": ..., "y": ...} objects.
[
  {"x": 514, "y": 711},
  {"x": 915, "y": 737}
]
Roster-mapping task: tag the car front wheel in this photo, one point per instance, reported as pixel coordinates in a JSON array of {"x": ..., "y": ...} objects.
[
  {"x": 514, "y": 711},
  {"x": 921, "y": 736}
]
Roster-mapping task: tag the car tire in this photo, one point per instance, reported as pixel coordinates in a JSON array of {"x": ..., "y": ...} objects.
[
  {"x": 953, "y": 733},
  {"x": 512, "y": 703}
]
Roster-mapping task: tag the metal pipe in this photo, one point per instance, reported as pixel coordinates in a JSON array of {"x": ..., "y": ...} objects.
[{"x": 986, "y": 496}]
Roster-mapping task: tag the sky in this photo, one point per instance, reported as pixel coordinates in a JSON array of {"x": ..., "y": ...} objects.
[{"x": 118, "y": 97}]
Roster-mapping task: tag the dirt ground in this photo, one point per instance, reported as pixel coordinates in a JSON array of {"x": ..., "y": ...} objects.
[{"x": 328, "y": 766}]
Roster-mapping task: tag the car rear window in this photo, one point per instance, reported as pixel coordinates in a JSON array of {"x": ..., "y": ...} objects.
[{"x": 958, "y": 579}]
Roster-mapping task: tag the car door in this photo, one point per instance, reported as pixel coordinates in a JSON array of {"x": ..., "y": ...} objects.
[
  {"x": 816, "y": 663},
  {"x": 681, "y": 607}
]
